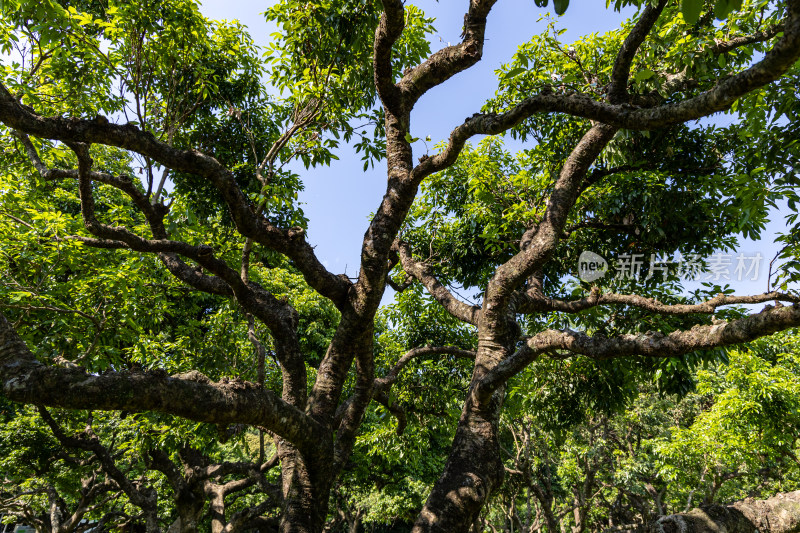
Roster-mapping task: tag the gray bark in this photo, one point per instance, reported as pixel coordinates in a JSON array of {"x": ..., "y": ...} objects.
[{"x": 779, "y": 514}]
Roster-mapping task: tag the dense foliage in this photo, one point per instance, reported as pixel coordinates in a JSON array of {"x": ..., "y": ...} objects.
[{"x": 175, "y": 357}]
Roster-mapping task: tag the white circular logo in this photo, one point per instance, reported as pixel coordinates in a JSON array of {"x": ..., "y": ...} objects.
[{"x": 591, "y": 266}]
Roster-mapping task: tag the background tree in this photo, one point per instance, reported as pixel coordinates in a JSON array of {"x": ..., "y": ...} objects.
[{"x": 730, "y": 439}]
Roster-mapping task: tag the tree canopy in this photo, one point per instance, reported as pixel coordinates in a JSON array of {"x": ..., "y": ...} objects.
[{"x": 175, "y": 356}]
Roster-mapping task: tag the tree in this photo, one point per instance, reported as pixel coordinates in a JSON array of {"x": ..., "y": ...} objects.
[
  {"x": 733, "y": 438},
  {"x": 96, "y": 91},
  {"x": 163, "y": 472},
  {"x": 38, "y": 492}
]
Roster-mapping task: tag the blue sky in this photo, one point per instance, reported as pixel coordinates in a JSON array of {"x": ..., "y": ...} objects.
[{"x": 339, "y": 199}]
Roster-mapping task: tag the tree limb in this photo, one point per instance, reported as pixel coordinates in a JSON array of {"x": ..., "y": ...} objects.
[
  {"x": 722, "y": 47},
  {"x": 422, "y": 272},
  {"x": 388, "y": 31},
  {"x": 539, "y": 242},
  {"x": 618, "y": 90},
  {"x": 277, "y": 315},
  {"x": 384, "y": 383},
  {"x": 651, "y": 344},
  {"x": 190, "y": 395},
  {"x": 146, "y": 499},
  {"x": 535, "y": 303},
  {"x": 772, "y": 66},
  {"x": 451, "y": 60},
  {"x": 72, "y": 130}
]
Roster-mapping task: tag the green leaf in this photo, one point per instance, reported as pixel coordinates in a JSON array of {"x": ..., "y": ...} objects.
[
  {"x": 514, "y": 72},
  {"x": 645, "y": 74},
  {"x": 722, "y": 8},
  {"x": 691, "y": 10},
  {"x": 560, "y": 6}
]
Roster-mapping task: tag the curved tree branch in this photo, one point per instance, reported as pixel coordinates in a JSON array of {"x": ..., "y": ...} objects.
[
  {"x": 383, "y": 384},
  {"x": 71, "y": 130},
  {"x": 539, "y": 242},
  {"x": 277, "y": 315},
  {"x": 536, "y": 303},
  {"x": 388, "y": 31},
  {"x": 143, "y": 497},
  {"x": 451, "y": 60},
  {"x": 618, "y": 91},
  {"x": 772, "y": 66},
  {"x": 190, "y": 395},
  {"x": 154, "y": 213},
  {"x": 422, "y": 272},
  {"x": 651, "y": 344},
  {"x": 722, "y": 47}
]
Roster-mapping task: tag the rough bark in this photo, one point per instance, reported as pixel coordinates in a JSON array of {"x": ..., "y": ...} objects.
[
  {"x": 474, "y": 468},
  {"x": 192, "y": 395},
  {"x": 779, "y": 514},
  {"x": 652, "y": 344}
]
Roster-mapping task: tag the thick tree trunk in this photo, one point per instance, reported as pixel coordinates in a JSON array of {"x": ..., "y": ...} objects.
[
  {"x": 216, "y": 507},
  {"x": 474, "y": 468},
  {"x": 472, "y": 473},
  {"x": 779, "y": 514},
  {"x": 306, "y": 492}
]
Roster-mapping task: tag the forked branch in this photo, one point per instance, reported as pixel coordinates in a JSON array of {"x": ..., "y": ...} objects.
[
  {"x": 422, "y": 272},
  {"x": 537, "y": 303},
  {"x": 784, "y": 53},
  {"x": 651, "y": 344},
  {"x": 192, "y": 395}
]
